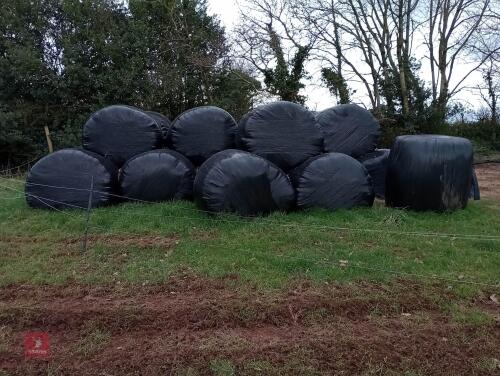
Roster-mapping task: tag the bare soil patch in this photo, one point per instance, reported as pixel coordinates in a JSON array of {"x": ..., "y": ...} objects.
[
  {"x": 488, "y": 176},
  {"x": 114, "y": 240},
  {"x": 130, "y": 240},
  {"x": 191, "y": 324}
]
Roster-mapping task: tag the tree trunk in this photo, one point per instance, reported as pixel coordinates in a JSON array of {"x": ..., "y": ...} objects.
[
  {"x": 343, "y": 99},
  {"x": 493, "y": 105},
  {"x": 401, "y": 63},
  {"x": 442, "y": 100}
]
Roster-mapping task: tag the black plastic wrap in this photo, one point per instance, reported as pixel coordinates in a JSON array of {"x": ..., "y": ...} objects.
[
  {"x": 120, "y": 132},
  {"x": 157, "y": 175},
  {"x": 474, "y": 191},
  {"x": 163, "y": 121},
  {"x": 284, "y": 133},
  {"x": 376, "y": 165},
  {"x": 201, "y": 132},
  {"x": 62, "y": 180},
  {"x": 332, "y": 181},
  {"x": 241, "y": 125},
  {"x": 429, "y": 172},
  {"x": 349, "y": 129},
  {"x": 243, "y": 183}
]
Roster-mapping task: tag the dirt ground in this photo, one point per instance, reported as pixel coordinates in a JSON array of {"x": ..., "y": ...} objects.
[
  {"x": 196, "y": 326},
  {"x": 488, "y": 176}
]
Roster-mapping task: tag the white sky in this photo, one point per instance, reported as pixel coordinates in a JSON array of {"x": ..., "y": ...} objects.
[{"x": 318, "y": 96}]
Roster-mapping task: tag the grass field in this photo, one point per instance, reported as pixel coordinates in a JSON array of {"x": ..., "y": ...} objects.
[{"x": 351, "y": 292}]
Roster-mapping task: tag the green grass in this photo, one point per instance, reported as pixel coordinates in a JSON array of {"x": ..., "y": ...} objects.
[
  {"x": 222, "y": 367},
  {"x": 92, "y": 342},
  {"x": 44, "y": 247},
  {"x": 469, "y": 316}
]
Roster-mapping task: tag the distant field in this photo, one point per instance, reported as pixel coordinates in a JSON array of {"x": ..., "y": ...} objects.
[{"x": 285, "y": 294}]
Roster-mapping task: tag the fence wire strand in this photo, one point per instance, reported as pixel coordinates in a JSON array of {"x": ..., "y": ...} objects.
[
  {"x": 264, "y": 221},
  {"x": 6, "y": 171},
  {"x": 325, "y": 227},
  {"x": 347, "y": 263}
]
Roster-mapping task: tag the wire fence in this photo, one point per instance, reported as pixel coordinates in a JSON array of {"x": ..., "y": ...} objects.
[
  {"x": 211, "y": 218},
  {"x": 20, "y": 167},
  {"x": 87, "y": 225},
  {"x": 260, "y": 220},
  {"x": 263, "y": 221},
  {"x": 26, "y": 165}
]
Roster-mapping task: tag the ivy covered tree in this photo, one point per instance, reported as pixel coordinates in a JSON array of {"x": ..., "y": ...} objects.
[
  {"x": 277, "y": 48},
  {"x": 285, "y": 80},
  {"x": 418, "y": 115},
  {"x": 336, "y": 84}
]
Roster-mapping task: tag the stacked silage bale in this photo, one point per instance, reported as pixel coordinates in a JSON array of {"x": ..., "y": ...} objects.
[{"x": 288, "y": 158}]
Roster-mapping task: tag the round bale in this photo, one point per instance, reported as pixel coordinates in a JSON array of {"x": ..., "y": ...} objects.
[
  {"x": 429, "y": 172},
  {"x": 332, "y": 181},
  {"x": 163, "y": 121},
  {"x": 120, "y": 132},
  {"x": 376, "y": 165},
  {"x": 284, "y": 133},
  {"x": 201, "y": 132},
  {"x": 243, "y": 183},
  {"x": 157, "y": 175},
  {"x": 63, "y": 179},
  {"x": 349, "y": 129}
]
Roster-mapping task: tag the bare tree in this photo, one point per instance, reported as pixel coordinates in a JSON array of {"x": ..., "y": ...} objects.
[
  {"x": 276, "y": 44},
  {"x": 375, "y": 44},
  {"x": 451, "y": 26},
  {"x": 486, "y": 47},
  {"x": 322, "y": 21},
  {"x": 492, "y": 80},
  {"x": 369, "y": 40}
]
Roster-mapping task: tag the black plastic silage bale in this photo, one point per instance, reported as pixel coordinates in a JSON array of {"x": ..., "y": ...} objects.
[
  {"x": 120, "y": 132},
  {"x": 349, "y": 129},
  {"x": 157, "y": 175},
  {"x": 243, "y": 183},
  {"x": 376, "y": 165},
  {"x": 284, "y": 133},
  {"x": 241, "y": 126},
  {"x": 332, "y": 181},
  {"x": 163, "y": 121},
  {"x": 63, "y": 179},
  {"x": 201, "y": 132},
  {"x": 429, "y": 172}
]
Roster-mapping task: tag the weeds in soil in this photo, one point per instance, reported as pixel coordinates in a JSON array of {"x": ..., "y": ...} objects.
[
  {"x": 94, "y": 340},
  {"x": 222, "y": 367}
]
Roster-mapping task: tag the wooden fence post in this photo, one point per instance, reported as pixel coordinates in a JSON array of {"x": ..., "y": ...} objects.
[{"x": 49, "y": 141}]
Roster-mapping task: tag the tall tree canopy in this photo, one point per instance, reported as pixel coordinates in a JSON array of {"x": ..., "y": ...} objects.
[{"x": 60, "y": 60}]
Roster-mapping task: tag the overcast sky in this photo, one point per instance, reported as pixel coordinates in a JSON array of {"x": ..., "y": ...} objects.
[{"x": 319, "y": 97}]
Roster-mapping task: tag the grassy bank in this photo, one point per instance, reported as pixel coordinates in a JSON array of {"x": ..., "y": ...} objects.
[{"x": 147, "y": 243}]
